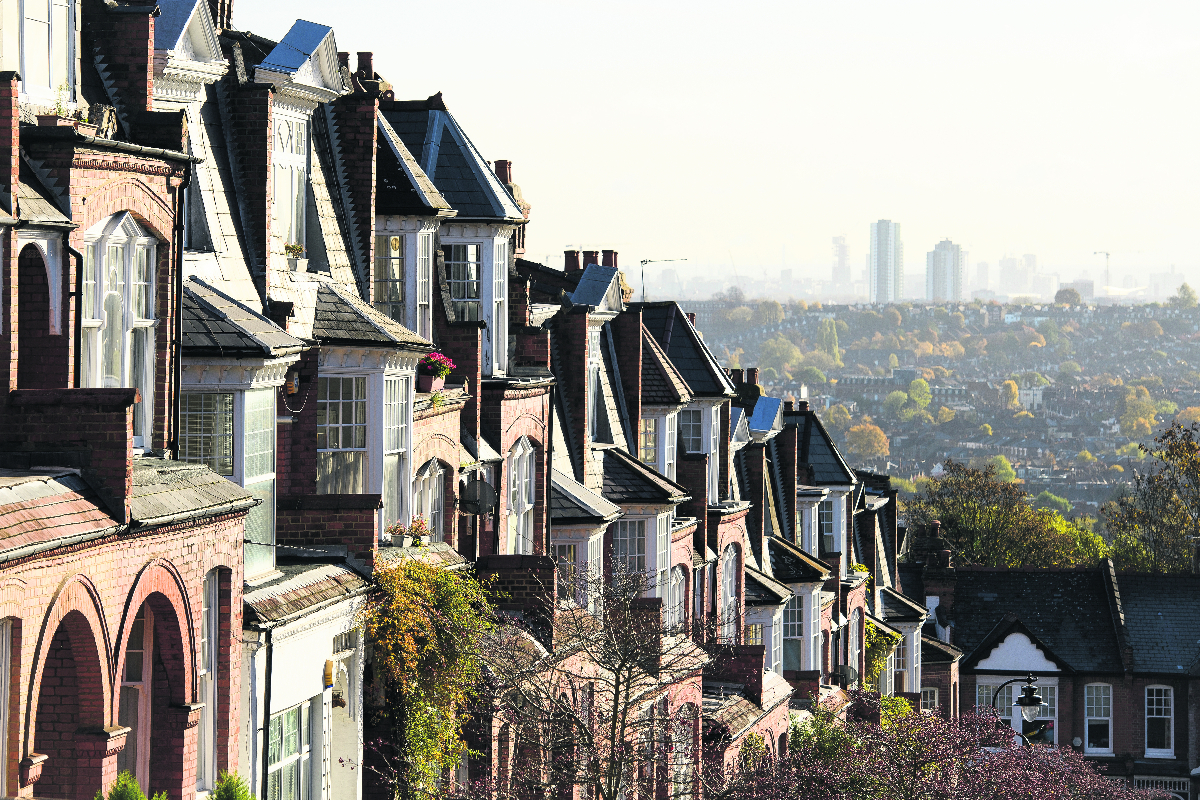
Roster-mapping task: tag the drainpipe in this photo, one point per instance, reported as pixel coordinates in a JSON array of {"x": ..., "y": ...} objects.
[
  {"x": 549, "y": 469},
  {"x": 177, "y": 334},
  {"x": 266, "y": 717},
  {"x": 77, "y": 331}
]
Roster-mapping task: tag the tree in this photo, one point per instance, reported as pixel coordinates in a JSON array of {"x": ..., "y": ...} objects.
[
  {"x": 894, "y": 402},
  {"x": 1008, "y": 394},
  {"x": 918, "y": 393},
  {"x": 811, "y": 376},
  {"x": 740, "y": 315},
  {"x": 1053, "y": 502},
  {"x": 769, "y": 313},
  {"x": 1136, "y": 411},
  {"x": 1185, "y": 297},
  {"x": 945, "y": 415},
  {"x": 1085, "y": 457},
  {"x": 838, "y": 417},
  {"x": 425, "y": 626},
  {"x": 867, "y": 442},
  {"x": 1148, "y": 527},
  {"x": 1068, "y": 296},
  {"x": 780, "y": 354},
  {"x": 1188, "y": 416},
  {"x": 827, "y": 340},
  {"x": 893, "y": 360},
  {"x": 989, "y": 522},
  {"x": 985, "y": 429}
]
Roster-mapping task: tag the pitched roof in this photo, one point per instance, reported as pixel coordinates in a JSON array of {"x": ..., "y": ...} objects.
[
  {"x": 216, "y": 324},
  {"x": 934, "y": 650},
  {"x": 790, "y": 564},
  {"x": 301, "y": 588},
  {"x": 765, "y": 416},
  {"x": 35, "y": 203},
  {"x": 763, "y": 590},
  {"x": 341, "y": 317},
  {"x": 571, "y": 501},
  {"x": 1162, "y": 614},
  {"x": 46, "y": 505},
  {"x": 173, "y": 491},
  {"x": 898, "y": 608},
  {"x": 450, "y": 159},
  {"x": 402, "y": 186},
  {"x": 682, "y": 343},
  {"x": 661, "y": 382},
  {"x": 818, "y": 451},
  {"x": 1065, "y": 609},
  {"x": 598, "y": 286},
  {"x": 627, "y": 480}
]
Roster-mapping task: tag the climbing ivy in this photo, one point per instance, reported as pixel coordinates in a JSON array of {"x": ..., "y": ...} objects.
[{"x": 879, "y": 644}]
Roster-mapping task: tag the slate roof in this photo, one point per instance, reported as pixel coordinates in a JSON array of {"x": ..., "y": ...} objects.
[
  {"x": 1162, "y": 614},
  {"x": 449, "y": 158},
  {"x": 1065, "y": 609},
  {"x": 302, "y": 587},
  {"x": 627, "y": 480},
  {"x": 934, "y": 650},
  {"x": 596, "y": 286},
  {"x": 172, "y": 21},
  {"x": 35, "y": 204},
  {"x": 818, "y": 451},
  {"x": 898, "y": 608},
  {"x": 661, "y": 382},
  {"x": 172, "y": 491},
  {"x": 342, "y": 318},
  {"x": 765, "y": 414},
  {"x": 216, "y": 324},
  {"x": 45, "y": 505},
  {"x": 302, "y": 40},
  {"x": 670, "y": 327},
  {"x": 571, "y": 501},
  {"x": 790, "y": 564},
  {"x": 763, "y": 590},
  {"x": 402, "y": 187}
]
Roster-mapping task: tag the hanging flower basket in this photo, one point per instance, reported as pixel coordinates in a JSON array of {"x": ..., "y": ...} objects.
[
  {"x": 434, "y": 368},
  {"x": 429, "y": 383}
]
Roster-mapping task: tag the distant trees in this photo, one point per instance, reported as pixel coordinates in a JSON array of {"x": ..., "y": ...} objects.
[
  {"x": 918, "y": 393},
  {"x": 1188, "y": 415},
  {"x": 1008, "y": 394},
  {"x": 990, "y": 522},
  {"x": 827, "y": 340},
  {"x": 1185, "y": 297},
  {"x": 769, "y": 313},
  {"x": 867, "y": 442},
  {"x": 894, "y": 402},
  {"x": 811, "y": 375},
  {"x": 1085, "y": 457},
  {"x": 838, "y": 417},
  {"x": 1068, "y": 297},
  {"x": 1053, "y": 502},
  {"x": 1137, "y": 412}
]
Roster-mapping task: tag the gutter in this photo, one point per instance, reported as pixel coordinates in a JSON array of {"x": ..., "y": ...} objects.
[
  {"x": 266, "y": 719},
  {"x": 211, "y": 511},
  {"x": 108, "y": 144}
]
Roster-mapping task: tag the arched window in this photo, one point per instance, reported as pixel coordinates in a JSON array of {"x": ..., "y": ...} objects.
[
  {"x": 675, "y": 596},
  {"x": 206, "y": 668},
  {"x": 683, "y": 753},
  {"x": 852, "y": 638},
  {"x": 428, "y": 500},
  {"x": 117, "y": 313},
  {"x": 522, "y": 482},
  {"x": 729, "y": 593}
]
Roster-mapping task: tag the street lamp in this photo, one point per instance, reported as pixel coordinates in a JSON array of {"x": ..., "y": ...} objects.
[{"x": 1030, "y": 702}]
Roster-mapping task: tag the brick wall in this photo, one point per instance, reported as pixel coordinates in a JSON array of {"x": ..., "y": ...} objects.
[
  {"x": 357, "y": 134},
  {"x": 508, "y": 414},
  {"x": 43, "y": 359},
  {"x": 297, "y": 448},
  {"x": 521, "y": 583},
  {"x": 311, "y": 520},
  {"x": 691, "y": 472},
  {"x": 251, "y": 127}
]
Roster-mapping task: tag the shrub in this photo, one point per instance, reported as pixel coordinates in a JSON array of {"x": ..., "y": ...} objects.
[
  {"x": 230, "y": 786},
  {"x": 126, "y": 788}
]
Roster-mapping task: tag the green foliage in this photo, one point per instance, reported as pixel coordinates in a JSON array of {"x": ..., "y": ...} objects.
[
  {"x": 879, "y": 645},
  {"x": 1068, "y": 296},
  {"x": 1131, "y": 450},
  {"x": 1184, "y": 298},
  {"x": 838, "y": 417},
  {"x": 985, "y": 429},
  {"x": 1085, "y": 457},
  {"x": 230, "y": 786},
  {"x": 752, "y": 752},
  {"x": 903, "y": 485},
  {"x": 894, "y": 402},
  {"x": 1000, "y": 465},
  {"x": 918, "y": 393},
  {"x": 823, "y": 733},
  {"x": 811, "y": 375},
  {"x": 742, "y": 315},
  {"x": 769, "y": 313},
  {"x": 779, "y": 354},
  {"x": 1136, "y": 411},
  {"x": 827, "y": 339},
  {"x": 1165, "y": 407},
  {"x": 1053, "y": 502},
  {"x": 1069, "y": 368},
  {"x": 126, "y": 788},
  {"x": 945, "y": 415},
  {"x": 1008, "y": 394},
  {"x": 893, "y": 361},
  {"x": 892, "y": 709}
]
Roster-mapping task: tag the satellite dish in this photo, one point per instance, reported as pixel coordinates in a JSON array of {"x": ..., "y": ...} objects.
[
  {"x": 478, "y": 497},
  {"x": 847, "y": 673}
]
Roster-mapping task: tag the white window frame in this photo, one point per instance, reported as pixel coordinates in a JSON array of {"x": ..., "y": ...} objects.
[
  {"x": 498, "y": 308},
  {"x": 595, "y": 568},
  {"x": 289, "y": 155},
  {"x": 1048, "y": 687},
  {"x": 429, "y": 498},
  {"x": 793, "y": 625},
  {"x": 388, "y": 293},
  {"x": 714, "y": 455},
  {"x": 424, "y": 287},
  {"x": 466, "y": 292},
  {"x": 676, "y": 596},
  {"x": 827, "y": 525},
  {"x": 630, "y": 545},
  {"x": 1168, "y": 693},
  {"x": 522, "y": 495},
  {"x": 775, "y": 652},
  {"x": 814, "y": 630},
  {"x": 1097, "y": 708},
  {"x": 208, "y": 680},
  {"x": 929, "y": 698},
  {"x": 670, "y": 444},
  {"x": 397, "y": 414},
  {"x": 60, "y": 34},
  {"x": 662, "y": 555},
  {"x": 853, "y": 645},
  {"x": 143, "y": 684},
  {"x": 595, "y": 390},
  {"x": 208, "y": 435},
  {"x": 357, "y": 402},
  {"x": 303, "y": 756},
  {"x": 729, "y": 592},
  {"x": 136, "y": 331},
  {"x": 900, "y": 664},
  {"x": 691, "y": 430},
  {"x": 566, "y": 560},
  {"x": 649, "y": 446}
]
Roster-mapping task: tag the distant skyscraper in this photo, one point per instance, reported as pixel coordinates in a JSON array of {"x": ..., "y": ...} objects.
[
  {"x": 944, "y": 272},
  {"x": 1014, "y": 276},
  {"x": 981, "y": 275},
  {"x": 841, "y": 260},
  {"x": 885, "y": 265}
]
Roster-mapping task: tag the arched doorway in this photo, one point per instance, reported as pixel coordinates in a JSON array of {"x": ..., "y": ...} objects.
[
  {"x": 43, "y": 359},
  {"x": 70, "y": 705}
]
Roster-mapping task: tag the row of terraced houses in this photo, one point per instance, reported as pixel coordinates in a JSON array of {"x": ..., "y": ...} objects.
[{"x": 216, "y": 292}]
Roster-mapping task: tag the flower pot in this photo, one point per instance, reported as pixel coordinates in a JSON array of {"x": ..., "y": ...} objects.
[
  {"x": 430, "y": 383},
  {"x": 86, "y": 128},
  {"x": 55, "y": 121},
  {"x": 297, "y": 264}
]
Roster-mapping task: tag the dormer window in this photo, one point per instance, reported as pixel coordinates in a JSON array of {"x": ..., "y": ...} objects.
[
  {"x": 118, "y": 314},
  {"x": 47, "y": 50},
  {"x": 462, "y": 273},
  {"x": 389, "y": 277},
  {"x": 291, "y": 178}
]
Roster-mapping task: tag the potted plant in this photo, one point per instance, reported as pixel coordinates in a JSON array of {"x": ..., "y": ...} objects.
[
  {"x": 417, "y": 531},
  {"x": 434, "y": 368},
  {"x": 295, "y": 257}
]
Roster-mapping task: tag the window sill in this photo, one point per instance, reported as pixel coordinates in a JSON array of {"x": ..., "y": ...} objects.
[{"x": 1165, "y": 755}]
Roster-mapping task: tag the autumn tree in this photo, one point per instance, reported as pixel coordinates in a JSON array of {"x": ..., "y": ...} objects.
[
  {"x": 1008, "y": 394},
  {"x": 990, "y": 522},
  {"x": 1136, "y": 411},
  {"x": 425, "y": 626},
  {"x": 1188, "y": 416},
  {"x": 769, "y": 312},
  {"x": 1068, "y": 296},
  {"x": 838, "y": 417},
  {"x": 867, "y": 442}
]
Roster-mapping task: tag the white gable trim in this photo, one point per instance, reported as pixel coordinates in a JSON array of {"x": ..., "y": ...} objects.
[{"x": 1018, "y": 653}]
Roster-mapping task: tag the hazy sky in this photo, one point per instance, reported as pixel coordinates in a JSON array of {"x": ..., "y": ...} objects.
[{"x": 749, "y": 133}]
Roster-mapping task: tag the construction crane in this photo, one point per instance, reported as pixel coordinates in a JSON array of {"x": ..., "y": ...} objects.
[
  {"x": 646, "y": 261},
  {"x": 1106, "y": 255}
]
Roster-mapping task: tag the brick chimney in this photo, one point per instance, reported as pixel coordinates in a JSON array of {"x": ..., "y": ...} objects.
[
  {"x": 222, "y": 11},
  {"x": 752, "y": 376},
  {"x": 571, "y": 261},
  {"x": 691, "y": 317},
  {"x": 504, "y": 171},
  {"x": 738, "y": 376},
  {"x": 365, "y": 67},
  {"x": 610, "y": 258},
  {"x": 344, "y": 60},
  {"x": 802, "y": 405},
  {"x": 590, "y": 257}
]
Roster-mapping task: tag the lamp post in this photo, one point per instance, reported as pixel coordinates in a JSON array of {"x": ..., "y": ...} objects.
[{"x": 1030, "y": 702}]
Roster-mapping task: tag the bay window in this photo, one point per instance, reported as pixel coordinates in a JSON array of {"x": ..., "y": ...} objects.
[
  {"x": 341, "y": 435},
  {"x": 662, "y": 555},
  {"x": 522, "y": 487},
  {"x": 568, "y": 572},
  {"x": 117, "y": 314},
  {"x": 629, "y": 545},
  {"x": 793, "y": 633},
  {"x": 395, "y": 444},
  {"x": 672, "y": 435},
  {"x": 500, "y": 306},
  {"x": 462, "y": 275},
  {"x": 389, "y": 277},
  {"x": 258, "y": 477},
  {"x": 48, "y": 50},
  {"x": 825, "y": 527},
  {"x": 729, "y": 593},
  {"x": 901, "y": 664},
  {"x": 595, "y": 568},
  {"x": 425, "y": 285},
  {"x": 775, "y": 652},
  {"x": 648, "y": 436},
  {"x": 690, "y": 433},
  {"x": 206, "y": 736},
  {"x": 206, "y": 430},
  {"x": 752, "y": 633},
  {"x": 675, "y": 598},
  {"x": 291, "y": 178},
  {"x": 814, "y": 627},
  {"x": 1097, "y": 701},
  {"x": 1004, "y": 703},
  {"x": 714, "y": 455},
  {"x": 1160, "y": 712},
  {"x": 853, "y": 634},
  {"x": 289, "y": 752}
]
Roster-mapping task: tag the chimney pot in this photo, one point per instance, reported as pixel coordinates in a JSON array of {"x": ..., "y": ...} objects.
[
  {"x": 738, "y": 376},
  {"x": 752, "y": 376},
  {"x": 344, "y": 60},
  {"x": 504, "y": 171},
  {"x": 802, "y": 405},
  {"x": 571, "y": 261},
  {"x": 691, "y": 317},
  {"x": 788, "y": 405},
  {"x": 935, "y": 529},
  {"x": 590, "y": 257},
  {"x": 944, "y": 560},
  {"x": 365, "y": 64},
  {"x": 610, "y": 258}
]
